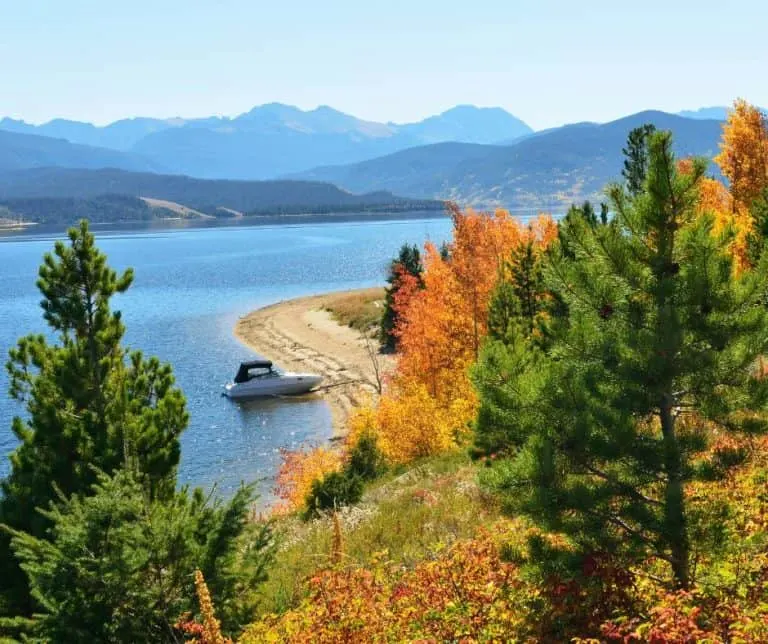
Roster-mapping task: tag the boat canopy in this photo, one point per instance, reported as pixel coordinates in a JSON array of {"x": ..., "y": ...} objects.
[{"x": 245, "y": 367}]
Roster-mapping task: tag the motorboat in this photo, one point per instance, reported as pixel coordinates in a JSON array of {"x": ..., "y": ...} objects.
[{"x": 260, "y": 378}]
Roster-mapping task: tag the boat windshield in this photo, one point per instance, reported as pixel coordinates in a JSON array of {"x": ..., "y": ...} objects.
[
  {"x": 263, "y": 373},
  {"x": 256, "y": 370}
]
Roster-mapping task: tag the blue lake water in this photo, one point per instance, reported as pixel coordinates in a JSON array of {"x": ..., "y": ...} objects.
[{"x": 190, "y": 287}]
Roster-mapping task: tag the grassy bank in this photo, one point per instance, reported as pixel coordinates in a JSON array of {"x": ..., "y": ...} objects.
[
  {"x": 360, "y": 310},
  {"x": 408, "y": 515}
]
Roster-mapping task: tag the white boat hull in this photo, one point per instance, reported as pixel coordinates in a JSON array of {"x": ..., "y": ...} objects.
[{"x": 286, "y": 384}]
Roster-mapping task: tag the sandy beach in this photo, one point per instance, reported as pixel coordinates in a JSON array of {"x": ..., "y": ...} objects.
[{"x": 301, "y": 335}]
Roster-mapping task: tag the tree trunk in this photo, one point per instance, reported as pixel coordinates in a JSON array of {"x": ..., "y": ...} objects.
[{"x": 675, "y": 532}]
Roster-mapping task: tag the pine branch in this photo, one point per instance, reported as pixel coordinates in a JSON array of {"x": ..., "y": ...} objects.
[{"x": 625, "y": 488}]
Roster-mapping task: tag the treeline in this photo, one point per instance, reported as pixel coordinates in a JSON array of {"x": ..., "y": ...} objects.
[
  {"x": 124, "y": 208},
  {"x": 240, "y": 196},
  {"x": 69, "y": 210},
  {"x": 392, "y": 206}
]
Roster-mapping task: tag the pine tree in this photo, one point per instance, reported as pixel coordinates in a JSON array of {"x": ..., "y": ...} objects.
[
  {"x": 758, "y": 235},
  {"x": 408, "y": 261},
  {"x": 659, "y": 346},
  {"x": 89, "y": 402},
  {"x": 636, "y": 161},
  {"x": 520, "y": 301},
  {"x": 117, "y": 566},
  {"x": 521, "y": 312}
]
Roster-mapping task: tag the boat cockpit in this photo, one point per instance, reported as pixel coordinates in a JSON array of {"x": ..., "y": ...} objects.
[{"x": 255, "y": 369}]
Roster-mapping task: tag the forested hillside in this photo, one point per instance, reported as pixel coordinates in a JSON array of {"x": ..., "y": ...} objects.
[
  {"x": 68, "y": 210},
  {"x": 549, "y": 170},
  {"x": 65, "y": 194}
]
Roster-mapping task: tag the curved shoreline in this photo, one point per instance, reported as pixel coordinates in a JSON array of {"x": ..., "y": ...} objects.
[{"x": 300, "y": 334}]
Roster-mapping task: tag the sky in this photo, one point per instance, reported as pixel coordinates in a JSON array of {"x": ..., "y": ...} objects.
[{"x": 548, "y": 62}]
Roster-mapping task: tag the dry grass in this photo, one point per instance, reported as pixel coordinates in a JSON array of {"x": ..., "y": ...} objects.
[
  {"x": 177, "y": 208},
  {"x": 361, "y": 310},
  {"x": 410, "y": 514}
]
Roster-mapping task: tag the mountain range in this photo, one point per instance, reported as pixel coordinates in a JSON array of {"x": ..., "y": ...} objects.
[
  {"x": 718, "y": 113},
  {"x": 546, "y": 170},
  {"x": 480, "y": 156},
  {"x": 268, "y": 141}
]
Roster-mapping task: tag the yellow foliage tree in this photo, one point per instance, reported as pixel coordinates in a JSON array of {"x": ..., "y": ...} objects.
[
  {"x": 409, "y": 423},
  {"x": 715, "y": 199},
  {"x": 743, "y": 157}
]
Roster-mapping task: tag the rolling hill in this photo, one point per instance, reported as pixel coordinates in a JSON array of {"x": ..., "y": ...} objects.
[
  {"x": 546, "y": 170},
  {"x": 63, "y": 195}
]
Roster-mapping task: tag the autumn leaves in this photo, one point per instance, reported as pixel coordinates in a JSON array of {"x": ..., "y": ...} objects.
[{"x": 430, "y": 403}]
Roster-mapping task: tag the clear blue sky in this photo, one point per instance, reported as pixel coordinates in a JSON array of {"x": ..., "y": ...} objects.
[{"x": 547, "y": 61}]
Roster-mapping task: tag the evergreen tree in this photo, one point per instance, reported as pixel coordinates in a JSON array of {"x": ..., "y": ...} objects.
[
  {"x": 585, "y": 213},
  {"x": 336, "y": 489},
  {"x": 636, "y": 161},
  {"x": 759, "y": 233},
  {"x": 520, "y": 301},
  {"x": 117, "y": 566},
  {"x": 89, "y": 402},
  {"x": 408, "y": 261},
  {"x": 521, "y": 311},
  {"x": 659, "y": 347}
]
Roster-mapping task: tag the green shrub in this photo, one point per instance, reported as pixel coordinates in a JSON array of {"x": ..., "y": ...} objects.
[
  {"x": 333, "y": 490},
  {"x": 365, "y": 459}
]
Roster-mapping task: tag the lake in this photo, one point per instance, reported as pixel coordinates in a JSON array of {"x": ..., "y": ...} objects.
[{"x": 190, "y": 287}]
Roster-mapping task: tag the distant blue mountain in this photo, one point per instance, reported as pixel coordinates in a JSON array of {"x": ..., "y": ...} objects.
[
  {"x": 120, "y": 135},
  {"x": 275, "y": 139},
  {"x": 468, "y": 124},
  {"x": 23, "y": 151},
  {"x": 717, "y": 113}
]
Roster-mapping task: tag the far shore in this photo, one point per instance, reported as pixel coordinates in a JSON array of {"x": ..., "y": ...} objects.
[
  {"x": 16, "y": 225},
  {"x": 207, "y": 222},
  {"x": 301, "y": 335}
]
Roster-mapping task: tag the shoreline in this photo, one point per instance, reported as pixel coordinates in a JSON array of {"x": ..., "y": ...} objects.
[
  {"x": 199, "y": 224},
  {"x": 300, "y": 334}
]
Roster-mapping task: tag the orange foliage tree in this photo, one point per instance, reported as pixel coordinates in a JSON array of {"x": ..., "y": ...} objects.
[
  {"x": 298, "y": 470},
  {"x": 430, "y": 400}
]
